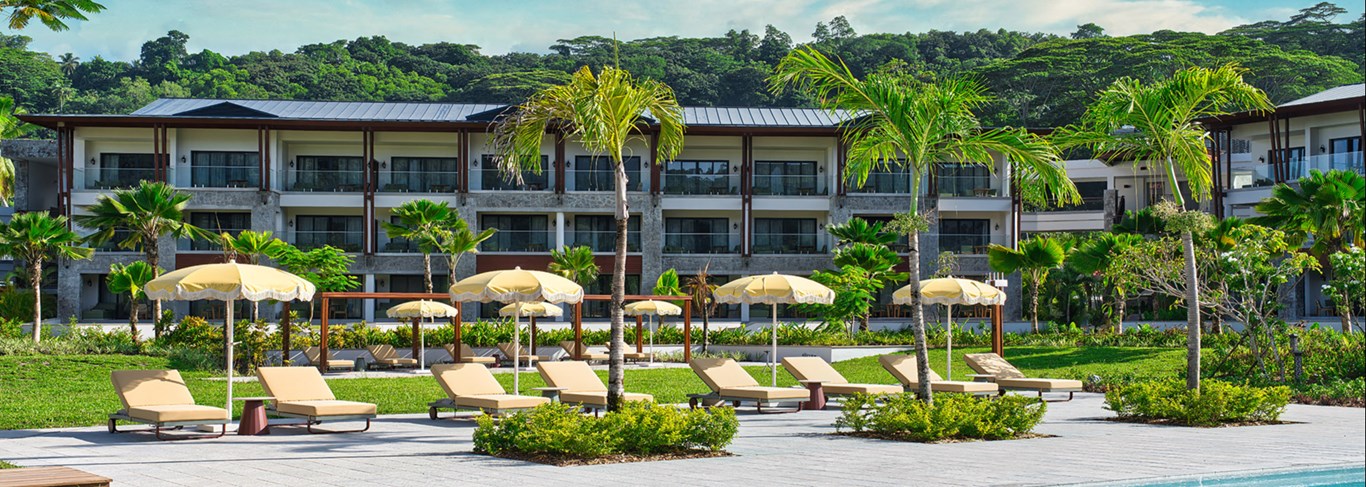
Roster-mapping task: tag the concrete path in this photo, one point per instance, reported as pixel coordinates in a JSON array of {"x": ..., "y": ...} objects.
[{"x": 780, "y": 449}]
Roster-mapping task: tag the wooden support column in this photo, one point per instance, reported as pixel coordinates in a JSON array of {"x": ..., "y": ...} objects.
[
  {"x": 455, "y": 321},
  {"x": 285, "y": 334},
  {"x": 997, "y": 333},
  {"x": 655, "y": 183},
  {"x": 640, "y": 338},
  {"x": 1273, "y": 129},
  {"x": 841, "y": 158},
  {"x": 369, "y": 178},
  {"x": 322, "y": 343},
  {"x": 156, "y": 152},
  {"x": 687, "y": 330},
  {"x": 417, "y": 331},
  {"x": 464, "y": 162},
  {"x": 578, "y": 331},
  {"x": 746, "y": 193},
  {"x": 560, "y": 163},
  {"x": 64, "y": 171},
  {"x": 165, "y": 175}
]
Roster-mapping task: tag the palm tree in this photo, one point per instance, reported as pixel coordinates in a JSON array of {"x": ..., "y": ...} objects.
[
  {"x": 456, "y": 240},
  {"x": 34, "y": 237},
  {"x": 903, "y": 121},
  {"x": 1033, "y": 259},
  {"x": 1157, "y": 122},
  {"x": 1094, "y": 257},
  {"x": 605, "y": 113},
  {"x": 667, "y": 284},
  {"x": 148, "y": 212},
  {"x": 419, "y": 222},
  {"x": 249, "y": 246},
  {"x": 50, "y": 12},
  {"x": 702, "y": 291},
  {"x": 10, "y": 127},
  {"x": 857, "y": 230},
  {"x": 574, "y": 263},
  {"x": 131, "y": 279},
  {"x": 877, "y": 261},
  {"x": 69, "y": 62}
]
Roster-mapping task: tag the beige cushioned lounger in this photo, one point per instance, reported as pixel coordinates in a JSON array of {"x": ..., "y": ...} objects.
[
  {"x": 386, "y": 355},
  {"x": 730, "y": 382},
  {"x": 525, "y": 356},
  {"x": 314, "y": 356},
  {"x": 834, "y": 384},
  {"x": 302, "y": 392},
  {"x": 580, "y": 383},
  {"x": 568, "y": 346},
  {"x": 160, "y": 398},
  {"x": 1009, "y": 377},
  {"x": 472, "y": 386},
  {"x": 904, "y": 368},
  {"x": 467, "y": 355}
]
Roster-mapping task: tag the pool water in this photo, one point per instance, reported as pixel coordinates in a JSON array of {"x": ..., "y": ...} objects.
[{"x": 1318, "y": 477}]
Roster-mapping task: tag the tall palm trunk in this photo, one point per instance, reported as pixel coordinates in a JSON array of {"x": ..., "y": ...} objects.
[
  {"x": 35, "y": 280},
  {"x": 1119, "y": 312},
  {"x": 1192, "y": 314},
  {"x": 706, "y": 328},
  {"x": 1034, "y": 302},
  {"x": 427, "y": 271},
  {"x": 615, "y": 373},
  {"x": 133, "y": 321},
  {"x": 154, "y": 258},
  {"x": 922, "y": 353}
]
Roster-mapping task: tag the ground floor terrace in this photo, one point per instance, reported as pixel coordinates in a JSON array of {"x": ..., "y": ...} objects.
[{"x": 771, "y": 449}]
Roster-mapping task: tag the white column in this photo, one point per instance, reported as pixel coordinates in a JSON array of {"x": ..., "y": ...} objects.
[
  {"x": 559, "y": 230},
  {"x": 744, "y": 313},
  {"x": 368, "y": 306}
]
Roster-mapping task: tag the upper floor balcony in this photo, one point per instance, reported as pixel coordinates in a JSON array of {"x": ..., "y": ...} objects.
[
  {"x": 221, "y": 176},
  {"x": 891, "y": 181},
  {"x": 519, "y": 241},
  {"x": 325, "y": 180},
  {"x": 117, "y": 177},
  {"x": 788, "y": 185}
]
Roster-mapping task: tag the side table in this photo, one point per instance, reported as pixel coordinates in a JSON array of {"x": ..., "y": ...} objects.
[
  {"x": 982, "y": 377},
  {"x": 253, "y": 420},
  {"x": 817, "y": 401},
  {"x": 553, "y": 393}
]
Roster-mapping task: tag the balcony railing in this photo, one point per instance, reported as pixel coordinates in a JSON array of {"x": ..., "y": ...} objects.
[
  {"x": 1344, "y": 161},
  {"x": 117, "y": 177},
  {"x": 787, "y": 185},
  {"x": 493, "y": 180},
  {"x": 966, "y": 187},
  {"x": 420, "y": 182},
  {"x": 604, "y": 240},
  {"x": 884, "y": 183},
  {"x": 1251, "y": 175},
  {"x": 399, "y": 246},
  {"x": 347, "y": 241},
  {"x": 344, "y": 181},
  {"x": 601, "y": 180},
  {"x": 518, "y": 241},
  {"x": 967, "y": 243},
  {"x": 202, "y": 176},
  {"x": 787, "y": 243},
  {"x": 700, "y": 243},
  {"x": 1087, "y": 204},
  {"x": 718, "y": 184}
]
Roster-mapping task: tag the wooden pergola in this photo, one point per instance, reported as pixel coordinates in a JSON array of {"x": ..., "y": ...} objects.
[{"x": 327, "y": 297}]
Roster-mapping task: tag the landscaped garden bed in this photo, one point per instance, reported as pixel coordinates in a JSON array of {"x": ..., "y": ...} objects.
[
  {"x": 560, "y": 434},
  {"x": 1214, "y": 404},
  {"x": 950, "y": 418}
]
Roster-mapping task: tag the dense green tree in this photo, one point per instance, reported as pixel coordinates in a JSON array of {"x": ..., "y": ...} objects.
[
  {"x": 10, "y": 127},
  {"x": 131, "y": 279},
  {"x": 33, "y": 238},
  {"x": 574, "y": 263},
  {"x": 1033, "y": 258},
  {"x": 51, "y": 13},
  {"x": 421, "y": 222}
]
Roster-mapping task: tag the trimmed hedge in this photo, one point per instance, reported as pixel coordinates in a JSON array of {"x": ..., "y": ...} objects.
[
  {"x": 1215, "y": 403},
  {"x": 952, "y": 417},
  {"x": 639, "y": 428}
]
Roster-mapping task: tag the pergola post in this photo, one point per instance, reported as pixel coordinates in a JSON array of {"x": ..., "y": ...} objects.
[
  {"x": 578, "y": 331},
  {"x": 322, "y": 344},
  {"x": 639, "y": 335},
  {"x": 455, "y": 321},
  {"x": 417, "y": 330},
  {"x": 285, "y": 333},
  {"x": 687, "y": 330},
  {"x": 997, "y": 340}
]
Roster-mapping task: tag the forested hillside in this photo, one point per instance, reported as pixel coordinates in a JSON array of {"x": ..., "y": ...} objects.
[{"x": 1040, "y": 79}]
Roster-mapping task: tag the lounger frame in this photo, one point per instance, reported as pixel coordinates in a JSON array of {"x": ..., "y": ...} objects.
[
  {"x": 696, "y": 400},
  {"x": 1070, "y": 392},
  {"x": 447, "y": 403},
  {"x": 309, "y": 421},
  {"x": 114, "y": 418}
]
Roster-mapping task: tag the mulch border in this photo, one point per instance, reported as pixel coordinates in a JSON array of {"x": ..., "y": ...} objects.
[{"x": 572, "y": 461}]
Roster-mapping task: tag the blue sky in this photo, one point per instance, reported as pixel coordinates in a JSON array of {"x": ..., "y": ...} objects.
[{"x": 238, "y": 26}]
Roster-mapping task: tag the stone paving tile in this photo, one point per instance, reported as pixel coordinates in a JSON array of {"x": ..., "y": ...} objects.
[{"x": 782, "y": 449}]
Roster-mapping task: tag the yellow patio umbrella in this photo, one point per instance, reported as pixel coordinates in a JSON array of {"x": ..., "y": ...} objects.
[
  {"x": 774, "y": 289},
  {"x": 949, "y": 291},
  {"x": 229, "y": 282},
  {"x": 417, "y": 310},
  {"x": 516, "y": 286},
  {"x": 652, "y": 308},
  {"x": 533, "y": 311}
]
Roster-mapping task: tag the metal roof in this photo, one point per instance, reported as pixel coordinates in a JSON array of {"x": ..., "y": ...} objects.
[
  {"x": 457, "y": 112},
  {"x": 1332, "y": 94}
]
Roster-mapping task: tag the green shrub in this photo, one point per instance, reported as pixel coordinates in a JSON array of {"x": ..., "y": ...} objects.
[
  {"x": 11, "y": 328},
  {"x": 639, "y": 428},
  {"x": 952, "y": 416},
  {"x": 1215, "y": 403}
]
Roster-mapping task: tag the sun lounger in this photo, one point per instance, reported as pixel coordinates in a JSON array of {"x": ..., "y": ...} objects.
[
  {"x": 160, "y": 398},
  {"x": 467, "y": 355},
  {"x": 301, "y": 392},
  {"x": 834, "y": 384},
  {"x": 904, "y": 368},
  {"x": 314, "y": 356},
  {"x": 581, "y": 385},
  {"x": 636, "y": 356},
  {"x": 526, "y": 357},
  {"x": 568, "y": 346},
  {"x": 1010, "y": 378},
  {"x": 729, "y": 382},
  {"x": 473, "y": 387},
  {"x": 386, "y": 356}
]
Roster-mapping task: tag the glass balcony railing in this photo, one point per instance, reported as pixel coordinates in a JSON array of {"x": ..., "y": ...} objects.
[
  {"x": 714, "y": 184},
  {"x": 518, "y": 241},
  {"x": 787, "y": 243},
  {"x": 604, "y": 240},
  {"x": 1251, "y": 175},
  {"x": 493, "y": 180},
  {"x": 117, "y": 177},
  {"x": 1087, "y": 204},
  {"x": 700, "y": 243},
  {"x": 420, "y": 182},
  {"x": 601, "y": 180},
  {"x": 966, "y": 187},
  {"x": 225, "y": 177},
  {"x": 1345, "y": 161},
  {"x": 788, "y": 185},
  {"x": 347, "y": 241},
  {"x": 967, "y": 243},
  {"x": 344, "y": 181},
  {"x": 398, "y": 246},
  {"x": 884, "y": 183}
]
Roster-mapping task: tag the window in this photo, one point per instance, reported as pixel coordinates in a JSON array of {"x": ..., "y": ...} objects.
[
  {"x": 231, "y": 223},
  {"x": 121, "y": 171},
  {"x": 327, "y": 173},
  {"x": 343, "y": 232},
  {"x": 1092, "y": 198},
  {"x": 785, "y": 178},
  {"x": 422, "y": 175},
  {"x": 599, "y": 232},
  {"x": 697, "y": 236},
  {"x": 219, "y": 169},
  {"x": 516, "y": 233},
  {"x": 594, "y": 173},
  {"x": 893, "y": 179},
  {"x": 964, "y": 236},
  {"x": 1345, "y": 154},
  {"x": 409, "y": 283},
  {"x": 490, "y": 178},
  {"x": 785, "y": 236},
  {"x": 963, "y": 180},
  {"x": 698, "y": 177}
]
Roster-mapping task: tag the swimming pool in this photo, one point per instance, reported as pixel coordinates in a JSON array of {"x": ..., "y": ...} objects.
[{"x": 1315, "y": 477}]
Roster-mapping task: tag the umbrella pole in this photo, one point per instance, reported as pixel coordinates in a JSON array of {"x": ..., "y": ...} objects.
[
  {"x": 227, "y": 325},
  {"x": 773, "y": 353},
  {"x": 652, "y": 340},
  {"x": 516, "y": 353},
  {"x": 948, "y": 362}
]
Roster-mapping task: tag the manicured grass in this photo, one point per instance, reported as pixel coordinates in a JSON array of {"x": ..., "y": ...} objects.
[{"x": 58, "y": 391}]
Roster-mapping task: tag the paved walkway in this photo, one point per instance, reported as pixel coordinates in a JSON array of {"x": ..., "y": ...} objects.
[{"x": 780, "y": 449}]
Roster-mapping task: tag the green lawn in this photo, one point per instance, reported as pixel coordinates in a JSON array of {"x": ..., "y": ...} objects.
[{"x": 59, "y": 391}]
